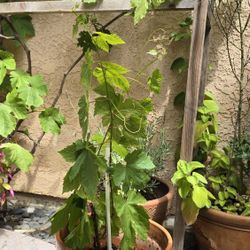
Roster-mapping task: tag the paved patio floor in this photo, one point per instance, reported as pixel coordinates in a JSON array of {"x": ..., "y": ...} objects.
[{"x": 10, "y": 240}]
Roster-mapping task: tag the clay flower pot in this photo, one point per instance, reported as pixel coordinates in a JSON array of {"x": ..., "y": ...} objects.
[
  {"x": 217, "y": 230},
  {"x": 158, "y": 239},
  {"x": 158, "y": 208}
]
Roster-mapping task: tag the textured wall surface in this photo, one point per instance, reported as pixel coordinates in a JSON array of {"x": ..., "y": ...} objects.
[{"x": 54, "y": 49}]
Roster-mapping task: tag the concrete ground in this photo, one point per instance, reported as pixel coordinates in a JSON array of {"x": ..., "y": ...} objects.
[{"x": 10, "y": 240}]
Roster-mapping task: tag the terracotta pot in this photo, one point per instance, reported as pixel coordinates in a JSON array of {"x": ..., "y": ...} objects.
[
  {"x": 159, "y": 239},
  {"x": 216, "y": 230},
  {"x": 158, "y": 208}
]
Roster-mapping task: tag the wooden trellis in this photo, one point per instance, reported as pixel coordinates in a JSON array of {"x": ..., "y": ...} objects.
[{"x": 196, "y": 73}]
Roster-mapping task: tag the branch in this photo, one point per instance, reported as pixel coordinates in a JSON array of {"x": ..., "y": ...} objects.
[
  {"x": 7, "y": 37},
  {"x": 23, "y": 44},
  {"x": 27, "y": 135},
  {"x": 114, "y": 19},
  {"x": 64, "y": 79}
]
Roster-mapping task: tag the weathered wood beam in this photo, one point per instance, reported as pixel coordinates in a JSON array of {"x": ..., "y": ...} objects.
[
  {"x": 191, "y": 104},
  {"x": 78, "y": 6}
]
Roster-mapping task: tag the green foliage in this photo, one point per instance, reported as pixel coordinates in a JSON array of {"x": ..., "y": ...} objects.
[
  {"x": 134, "y": 219},
  {"x": 224, "y": 179},
  {"x": 141, "y": 7},
  {"x": 117, "y": 152},
  {"x": 154, "y": 81},
  {"x": 192, "y": 190},
  {"x": 132, "y": 173},
  {"x": 21, "y": 94},
  {"x": 7, "y": 62},
  {"x": 7, "y": 120},
  {"x": 30, "y": 89},
  {"x": 51, "y": 120},
  {"x": 84, "y": 173},
  {"x": 113, "y": 74},
  {"x": 104, "y": 41},
  {"x": 22, "y": 24},
  {"x": 15, "y": 154},
  {"x": 83, "y": 115}
]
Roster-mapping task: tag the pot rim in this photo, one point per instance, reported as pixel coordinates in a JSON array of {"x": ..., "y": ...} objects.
[
  {"x": 165, "y": 231},
  {"x": 167, "y": 197},
  {"x": 155, "y": 224},
  {"x": 229, "y": 220}
]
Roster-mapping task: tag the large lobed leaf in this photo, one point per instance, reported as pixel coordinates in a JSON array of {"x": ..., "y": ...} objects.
[
  {"x": 31, "y": 89},
  {"x": 84, "y": 172},
  {"x": 7, "y": 62},
  {"x": 103, "y": 41},
  {"x": 134, "y": 170},
  {"x": 7, "y": 120},
  {"x": 23, "y": 25},
  {"x": 134, "y": 218},
  {"x": 15, "y": 154},
  {"x": 51, "y": 120},
  {"x": 112, "y": 74}
]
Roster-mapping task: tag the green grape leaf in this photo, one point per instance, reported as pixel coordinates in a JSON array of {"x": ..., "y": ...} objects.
[
  {"x": 154, "y": 81},
  {"x": 51, "y": 120},
  {"x": 33, "y": 92},
  {"x": 103, "y": 40},
  {"x": 3, "y": 72},
  {"x": 15, "y": 154},
  {"x": 85, "y": 41},
  {"x": 82, "y": 234},
  {"x": 179, "y": 65},
  {"x": 71, "y": 152},
  {"x": 140, "y": 9},
  {"x": 7, "y": 62},
  {"x": 134, "y": 170},
  {"x": 19, "y": 78},
  {"x": 134, "y": 218},
  {"x": 23, "y": 25},
  {"x": 16, "y": 104},
  {"x": 83, "y": 115},
  {"x": 189, "y": 211},
  {"x": 86, "y": 70},
  {"x": 7, "y": 121},
  {"x": 113, "y": 74},
  {"x": 139, "y": 160},
  {"x": 84, "y": 172}
]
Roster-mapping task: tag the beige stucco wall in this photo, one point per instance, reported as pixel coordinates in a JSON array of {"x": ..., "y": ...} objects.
[{"x": 54, "y": 49}]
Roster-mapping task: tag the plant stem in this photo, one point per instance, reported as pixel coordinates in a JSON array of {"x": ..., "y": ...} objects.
[
  {"x": 107, "y": 204},
  {"x": 23, "y": 44},
  {"x": 95, "y": 222},
  {"x": 114, "y": 19}
]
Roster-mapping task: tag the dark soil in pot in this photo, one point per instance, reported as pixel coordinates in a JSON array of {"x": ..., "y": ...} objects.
[
  {"x": 155, "y": 190},
  {"x": 159, "y": 199}
]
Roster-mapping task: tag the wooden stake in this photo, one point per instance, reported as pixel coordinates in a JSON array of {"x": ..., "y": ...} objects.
[{"x": 191, "y": 104}]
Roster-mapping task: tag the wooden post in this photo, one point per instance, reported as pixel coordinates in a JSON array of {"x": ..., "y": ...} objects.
[
  {"x": 205, "y": 58},
  {"x": 191, "y": 104}
]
